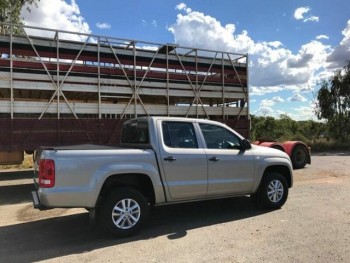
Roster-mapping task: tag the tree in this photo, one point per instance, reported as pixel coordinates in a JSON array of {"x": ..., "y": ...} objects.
[
  {"x": 11, "y": 11},
  {"x": 334, "y": 104},
  {"x": 264, "y": 128},
  {"x": 286, "y": 129},
  {"x": 312, "y": 130}
]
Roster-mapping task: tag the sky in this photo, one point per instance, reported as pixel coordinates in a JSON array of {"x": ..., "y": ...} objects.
[{"x": 292, "y": 45}]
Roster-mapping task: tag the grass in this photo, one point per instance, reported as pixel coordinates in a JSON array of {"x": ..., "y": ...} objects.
[
  {"x": 329, "y": 146},
  {"x": 26, "y": 164}
]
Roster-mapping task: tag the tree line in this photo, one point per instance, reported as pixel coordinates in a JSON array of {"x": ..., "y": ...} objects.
[
  {"x": 333, "y": 104},
  {"x": 285, "y": 128},
  {"x": 332, "y": 111}
]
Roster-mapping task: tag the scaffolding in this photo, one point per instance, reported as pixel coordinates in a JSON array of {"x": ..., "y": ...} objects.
[{"x": 48, "y": 75}]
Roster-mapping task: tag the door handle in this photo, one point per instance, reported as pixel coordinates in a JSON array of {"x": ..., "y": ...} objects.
[
  {"x": 169, "y": 158},
  {"x": 214, "y": 159}
]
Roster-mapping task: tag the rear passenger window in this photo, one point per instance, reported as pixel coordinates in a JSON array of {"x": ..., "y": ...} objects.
[
  {"x": 179, "y": 135},
  {"x": 135, "y": 133}
]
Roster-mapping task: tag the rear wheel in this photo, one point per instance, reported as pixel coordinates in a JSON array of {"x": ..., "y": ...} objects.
[
  {"x": 273, "y": 191},
  {"x": 299, "y": 157},
  {"x": 124, "y": 211}
]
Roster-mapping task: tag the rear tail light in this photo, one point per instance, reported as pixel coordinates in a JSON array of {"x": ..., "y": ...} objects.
[{"x": 46, "y": 173}]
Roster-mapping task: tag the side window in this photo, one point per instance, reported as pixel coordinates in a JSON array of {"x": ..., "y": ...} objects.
[
  {"x": 217, "y": 137},
  {"x": 179, "y": 135},
  {"x": 135, "y": 132}
]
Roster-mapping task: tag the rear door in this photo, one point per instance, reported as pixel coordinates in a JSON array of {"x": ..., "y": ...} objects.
[{"x": 183, "y": 160}]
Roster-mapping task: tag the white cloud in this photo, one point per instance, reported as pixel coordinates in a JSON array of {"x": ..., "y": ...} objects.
[
  {"x": 260, "y": 91},
  {"x": 271, "y": 64},
  {"x": 275, "y": 44},
  {"x": 103, "y": 25},
  {"x": 56, "y": 14},
  {"x": 266, "y": 103},
  {"x": 341, "y": 53},
  {"x": 268, "y": 59},
  {"x": 346, "y": 31},
  {"x": 299, "y": 61},
  {"x": 277, "y": 99},
  {"x": 154, "y": 23},
  {"x": 322, "y": 37},
  {"x": 305, "y": 113},
  {"x": 183, "y": 6},
  {"x": 271, "y": 102},
  {"x": 297, "y": 98},
  {"x": 301, "y": 12},
  {"x": 297, "y": 113},
  {"x": 196, "y": 29},
  {"x": 312, "y": 19},
  {"x": 311, "y": 55},
  {"x": 265, "y": 111},
  {"x": 268, "y": 111}
]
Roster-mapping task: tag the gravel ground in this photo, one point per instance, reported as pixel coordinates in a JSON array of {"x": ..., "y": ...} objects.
[{"x": 313, "y": 226}]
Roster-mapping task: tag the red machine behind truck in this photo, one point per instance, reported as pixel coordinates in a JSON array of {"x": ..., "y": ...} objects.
[
  {"x": 63, "y": 88},
  {"x": 298, "y": 151}
]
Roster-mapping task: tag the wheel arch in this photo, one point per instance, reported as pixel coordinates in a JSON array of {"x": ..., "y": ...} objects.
[
  {"x": 289, "y": 146},
  {"x": 295, "y": 147},
  {"x": 271, "y": 144},
  {"x": 139, "y": 182},
  {"x": 281, "y": 169},
  {"x": 278, "y": 147}
]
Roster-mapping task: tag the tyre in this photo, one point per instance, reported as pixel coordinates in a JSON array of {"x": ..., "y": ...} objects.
[
  {"x": 273, "y": 191},
  {"x": 299, "y": 157},
  {"x": 124, "y": 211}
]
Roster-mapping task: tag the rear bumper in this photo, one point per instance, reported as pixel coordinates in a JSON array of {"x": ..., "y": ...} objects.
[
  {"x": 36, "y": 201},
  {"x": 35, "y": 197}
]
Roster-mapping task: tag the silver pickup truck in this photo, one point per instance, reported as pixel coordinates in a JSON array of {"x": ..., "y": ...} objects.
[{"x": 161, "y": 160}]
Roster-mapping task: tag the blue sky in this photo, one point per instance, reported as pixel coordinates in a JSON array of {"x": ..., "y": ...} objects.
[{"x": 292, "y": 45}]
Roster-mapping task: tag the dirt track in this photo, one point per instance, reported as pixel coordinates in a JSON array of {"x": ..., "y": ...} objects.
[{"x": 313, "y": 226}]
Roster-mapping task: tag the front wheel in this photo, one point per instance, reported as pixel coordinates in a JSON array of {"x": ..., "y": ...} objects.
[
  {"x": 124, "y": 211},
  {"x": 273, "y": 191}
]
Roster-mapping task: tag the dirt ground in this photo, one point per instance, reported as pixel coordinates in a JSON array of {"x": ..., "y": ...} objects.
[{"x": 313, "y": 226}]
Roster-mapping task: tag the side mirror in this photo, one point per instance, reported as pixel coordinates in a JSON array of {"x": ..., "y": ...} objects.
[{"x": 246, "y": 144}]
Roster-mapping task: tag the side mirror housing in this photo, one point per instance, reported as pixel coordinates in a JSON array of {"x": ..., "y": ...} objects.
[{"x": 246, "y": 144}]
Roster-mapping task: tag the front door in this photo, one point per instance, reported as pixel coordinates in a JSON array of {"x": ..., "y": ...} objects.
[{"x": 230, "y": 168}]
